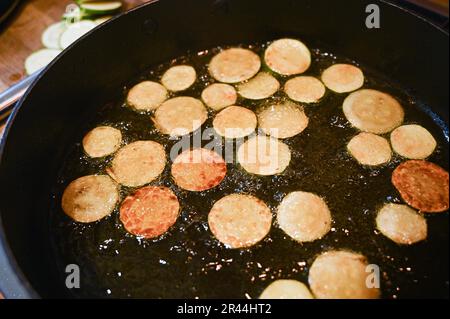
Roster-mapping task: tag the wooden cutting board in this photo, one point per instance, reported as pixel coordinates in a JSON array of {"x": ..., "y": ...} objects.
[{"x": 22, "y": 35}]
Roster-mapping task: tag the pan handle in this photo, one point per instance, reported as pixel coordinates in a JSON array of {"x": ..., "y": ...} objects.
[{"x": 10, "y": 96}]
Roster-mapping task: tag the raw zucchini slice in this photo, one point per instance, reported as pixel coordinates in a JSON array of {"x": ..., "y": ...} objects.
[
  {"x": 99, "y": 7},
  {"x": 75, "y": 31},
  {"x": 39, "y": 59},
  {"x": 50, "y": 37},
  {"x": 102, "y": 19}
]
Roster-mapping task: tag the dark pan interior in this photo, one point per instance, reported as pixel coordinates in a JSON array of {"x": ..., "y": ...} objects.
[
  {"x": 406, "y": 49},
  {"x": 188, "y": 261}
]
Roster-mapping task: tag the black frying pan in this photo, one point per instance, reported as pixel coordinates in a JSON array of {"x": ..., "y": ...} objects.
[
  {"x": 6, "y": 9},
  {"x": 405, "y": 48}
]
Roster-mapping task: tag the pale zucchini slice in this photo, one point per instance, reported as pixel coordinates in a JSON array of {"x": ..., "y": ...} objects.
[
  {"x": 138, "y": 163},
  {"x": 234, "y": 65},
  {"x": 401, "y": 224},
  {"x": 179, "y": 78},
  {"x": 413, "y": 141},
  {"x": 283, "y": 120},
  {"x": 342, "y": 78},
  {"x": 50, "y": 36},
  {"x": 101, "y": 7},
  {"x": 305, "y": 89},
  {"x": 263, "y": 155},
  {"x": 90, "y": 198},
  {"x": 219, "y": 95},
  {"x": 39, "y": 59},
  {"x": 235, "y": 122},
  {"x": 146, "y": 96},
  {"x": 370, "y": 149},
  {"x": 102, "y": 141},
  {"x": 75, "y": 31},
  {"x": 287, "y": 57},
  {"x": 304, "y": 216},
  {"x": 239, "y": 220},
  {"x": 341, "y": 275},
  {"x": 180, "y": 116},
  {"x": 286, "y": 289},
  {"x": 262, "y": 86},
  {"x": 373, "y": 111},
  {"x": 102, "y": 19}
]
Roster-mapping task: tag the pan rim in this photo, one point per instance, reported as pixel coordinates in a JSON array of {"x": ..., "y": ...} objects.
[{"x": 418, "y": 16}]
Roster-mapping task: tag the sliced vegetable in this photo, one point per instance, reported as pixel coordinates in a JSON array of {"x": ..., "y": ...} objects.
[
  {"x": 342, "y": 78},
  {"x": 146, "y": 95},
  {"x": 100, "y": 7},
  {"x": 84, "y": 1},
  {"x": 422, "y": 185},
  {"x": 90, "y": 198},
  {"x": 73, "y": 14},
  {"x": 239, "y": 220},
  {"x": 370, "y": 149},
  {"x": 102, "y": 141},
  {"x": 219, "y": 95},
  {"x": 180, "y": 115},
  {"x": 102, "y": 19},
  {"x": 150, "y": 211},
  {"x": 340, "y": 274},
  {"x": 305, "y": 89},
  {"x": 263, "y": 155},
  {"x": 286, "y": 289},
  {"x": 304, "y": 216},
  {"x": 234, "y": 65},
  {"x": 401, "y": 224},
  {"x": 235, "y": 122},
  {"x": 138, "y": 163},
  {"x": 282, "y": 120},
  {"x": 287, "y": 57},
  {"x": 373, "y": 111},
  {"x": 413, "y": 141},
  {"x": 198, "y": 169},
  {"x": 39, "y": 59},
  {"x": 50, "y": 37},
  {"x": 179, "y": 78},
  {"x": 262, "y": 86},
  {"x": 75, "y": 31}
]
